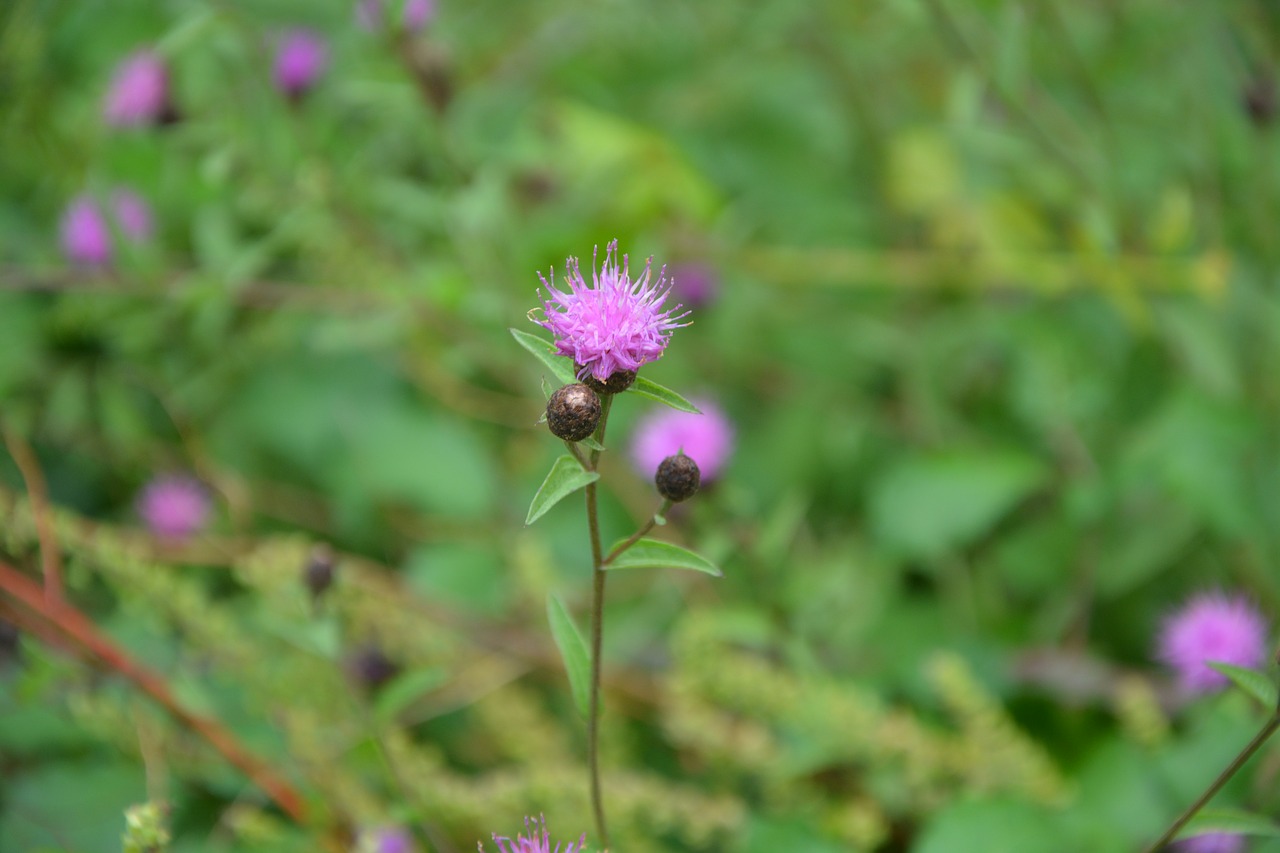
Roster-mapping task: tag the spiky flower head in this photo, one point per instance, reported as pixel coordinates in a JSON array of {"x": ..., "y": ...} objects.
[
  {"x": 1212, "y": 627},
  {"x": 538, "y": 840},
  {"x": 1213, "y": 842},
  {"x": 706, "y": 438},
  {"x": 174, "y": 507},
  {"x": 139, "y": 91},
  {"x": 615, "y": 324}
]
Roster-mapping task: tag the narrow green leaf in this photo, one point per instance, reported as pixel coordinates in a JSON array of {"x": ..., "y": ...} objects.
[
  {"x": 560, "y": 366},
  {"x": 652, "y": 554},
  {"x": 591, "y": 444},
  {"x": 666, "y": 396},
  {"x": 565, "y": 477},
  {"x": 1255, "y": 683},
  {"x": 1230, "y": 820},
  {"x": 573, "y": 651},
  {"x": 404, "y": 690}
]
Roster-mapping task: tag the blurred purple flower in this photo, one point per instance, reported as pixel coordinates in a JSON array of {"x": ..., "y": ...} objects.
[
  {"x": 694, "y": 284},
  {"x": 139, "y": 91},
  {"x": 387, "y": 840},
  {"x": 1213, "y": 842},
  {"x": 613, "y": 325},
  {"x": 301, "y": 57},
  {"x": 534, "y": 843},
  {"x": 174, "y": 507},
  {"x": 86, "y": 237},
  {"x": 1212, "y": 627},
  {"x": 416, "y": 14},
  {"x": 132, "y": 215},
  {"x": 706, "y": 439}
]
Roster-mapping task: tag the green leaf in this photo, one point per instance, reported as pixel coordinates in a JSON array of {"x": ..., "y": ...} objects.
[
  {"x": 666, "y": 396},
  {"x": 591, "y": 444},
  {"x": 1230, "y": 820},
  {"x": 404, "y": 690},
  {"x": 573, "y": 651},
  {"x": 565, "y": 477},
  {"x": 559, "y": 365},
  {"x": 1255, "y": 683},
  {"x": 652, "y": 554}
]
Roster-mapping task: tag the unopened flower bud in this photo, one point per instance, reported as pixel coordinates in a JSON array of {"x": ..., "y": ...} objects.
[
  {"x": 318, "y": 573},
  {"x": 573, "y": 412},
  {"x": 1260, "y": 101},
  {"x": 618, "y": 381},
  {"x": 678, "y": 478},
  {"x": 370, "y": 668}
]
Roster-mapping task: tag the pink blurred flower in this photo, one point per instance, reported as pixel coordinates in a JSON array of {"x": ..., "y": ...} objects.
[
  {"x": 1212, "y": 627},
  {"x": 616, "y": 324},
  {"x": 415, "y": 14},
  {"x": 694, "y": 284},
  {"x": 707, "y": 439},
  {"x": 174, "y": 507},
  {"x": 139, "y": 91},
  {"x": 301, "y": 57},
  {"x": 86, "y": 237},
  {"x": 387, "y": 840},
  {"x": 1213, "y": 842},
  {"x": 537, "y": 841},
  {"x": 86, "y": 231}
]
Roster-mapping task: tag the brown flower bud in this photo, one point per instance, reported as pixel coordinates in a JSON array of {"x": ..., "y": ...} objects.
[
  {"x": 573, "y": 412},
  {"x": 678, "y": 478},
  {"x": 618, "y": 381}
]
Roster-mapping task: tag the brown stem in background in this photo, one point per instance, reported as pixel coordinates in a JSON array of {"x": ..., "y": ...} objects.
[
  {"x": 80, "y": 630},
  {"x": 33, "y": 478}
]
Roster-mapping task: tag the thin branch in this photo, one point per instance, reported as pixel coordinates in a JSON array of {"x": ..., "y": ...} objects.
[
  {"x": 80, "y": 630},
  {"x": 635, "y": 537},
  {"x": 33, "y": 478}
]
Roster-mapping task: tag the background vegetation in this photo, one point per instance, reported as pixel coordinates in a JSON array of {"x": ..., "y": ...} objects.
[{"x": 998, "y": 327}]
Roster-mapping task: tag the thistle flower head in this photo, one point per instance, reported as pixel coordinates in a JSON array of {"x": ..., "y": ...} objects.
[
  {"x": 1213, "y": 842},
  {"x": 86, "y": 229},
  {"x": 538, "y": 840},
  {"x": 301, "y": 57},
  {"x": 614, "y": 324},
  {"x": 706, "y": 439},
  {"x": 139, "y": 91},
  {"x": 174, "y": 507},
  {"x": 1212, "y": 627}
]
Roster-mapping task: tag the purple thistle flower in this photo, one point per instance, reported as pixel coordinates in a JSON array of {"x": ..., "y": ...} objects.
[
  {"x": 301, "y": 57},
  {"x": 387, "y": 840},
  {"x": 613, "y": 325},
  {"x": 533, "y": 843},
  {"x": 1213, "y": 842},
  {"x": 706, "y": 439},
  {"x": 86, "y": 237},
  {"x": 132, "y": 215},
  {"x": 696, "y": 285},
  {"x": 1212, "y": 627},
  {"x": 139, "y": 91},
  {"x": 415, "y": 14},
  {"x": 174, "y": 507}
]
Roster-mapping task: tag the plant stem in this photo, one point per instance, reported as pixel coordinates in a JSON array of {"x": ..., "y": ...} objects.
[
  {"x": 597, "y": 630},
  {"x": 1245, "y": 754},
  {"x": 635, "y": 537}
]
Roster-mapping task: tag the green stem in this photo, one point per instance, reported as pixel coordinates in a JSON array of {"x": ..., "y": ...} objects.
[
  {"x": 635, "y": 537},
  {"x": 1245, "y": 754},
  {"x": 598, "y": 576}
]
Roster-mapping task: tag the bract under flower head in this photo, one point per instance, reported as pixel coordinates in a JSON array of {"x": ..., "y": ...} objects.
[
  {"x": 1212, "y": 627},
  {"x": 614, "y": 324},
  {"x": 537, "y": 841}
]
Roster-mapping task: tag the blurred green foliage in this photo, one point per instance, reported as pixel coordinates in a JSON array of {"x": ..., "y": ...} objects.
[{"x": 998, "y": 325}]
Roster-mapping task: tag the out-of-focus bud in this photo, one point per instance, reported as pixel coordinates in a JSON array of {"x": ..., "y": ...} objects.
[
  {"x": 370, "y": 668},
  {"x": 319, "y": 571}
]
